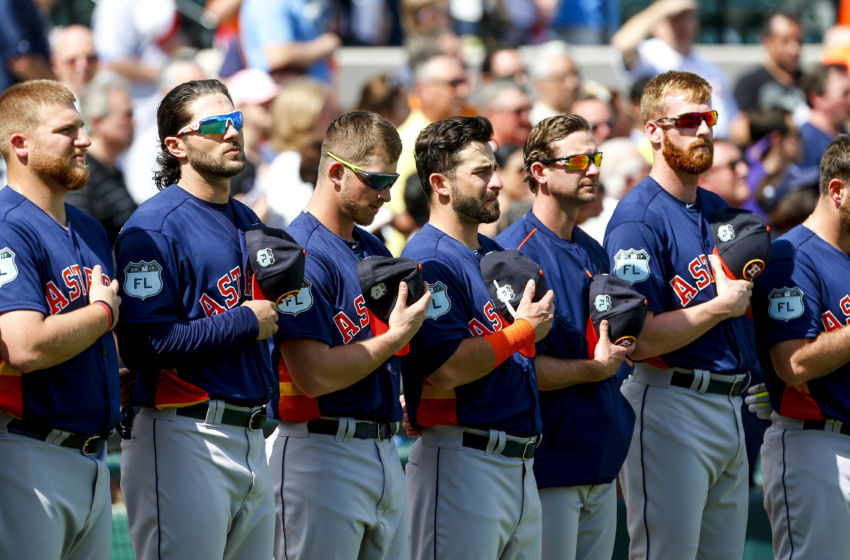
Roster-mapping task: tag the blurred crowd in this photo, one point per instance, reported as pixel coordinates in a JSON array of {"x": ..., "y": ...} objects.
[{"x": 278, "y": 59}]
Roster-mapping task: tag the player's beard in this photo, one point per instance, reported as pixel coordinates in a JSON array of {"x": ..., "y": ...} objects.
[
  {"x": 354, "y": 209},
  {"x": 690, "y": 161},
  {"x": 206, "y": 164},
  {"x": 69, "y": 173},
  {"x": 473, "y": 208}
]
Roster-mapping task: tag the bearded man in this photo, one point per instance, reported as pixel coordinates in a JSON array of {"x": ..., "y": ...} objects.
[{"x": 685, "y": 477}]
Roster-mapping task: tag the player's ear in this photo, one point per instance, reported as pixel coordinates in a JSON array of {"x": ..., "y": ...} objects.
[
  {"x": 536, "y": 169},
  {"x": 837, "y": 191},
  {"x": 335, "y": 171},
  {"x": 18, "y": 143},
  {"x": 175, "y": 146},
  {"x": 654, "y": 132},
  {"x": 439, "y": 184}
]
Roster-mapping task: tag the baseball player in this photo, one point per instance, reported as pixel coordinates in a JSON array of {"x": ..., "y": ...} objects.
[
  {"x": 587, "y": 424},
  {"x": 194, "y": 471},
  {"x": 801, "y": 303},
  {"x": 471, "y": 485},
  {"x": 58, "y": 367},
  {"x": 685, "y": 475},
  {"x": 339, "y": 486}
]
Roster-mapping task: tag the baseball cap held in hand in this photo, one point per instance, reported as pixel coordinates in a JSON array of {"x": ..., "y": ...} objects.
[
  {"x": 379, "y": 279},
  {"x": 620, "y": 304},
  {"x": 277, "y": 262},
  {"x": 742, "y": 242},
  {"x": 506, "y": 274}
]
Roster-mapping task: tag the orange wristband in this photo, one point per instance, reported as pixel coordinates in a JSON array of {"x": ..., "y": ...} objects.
[
  {"x": 110, "y": 315},
  {"x": 511, "y": 339}
]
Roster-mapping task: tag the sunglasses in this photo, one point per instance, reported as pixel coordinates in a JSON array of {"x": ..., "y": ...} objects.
[
  {"x": 577, "y": 162},
  {"x": 216, "y": 124},
  {"x": 692, "y": 120},
  {"x": 377, "y": 181}
]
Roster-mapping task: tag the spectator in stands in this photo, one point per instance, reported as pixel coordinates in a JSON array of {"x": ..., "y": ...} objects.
[
  {"x": 599, "y": 113},
  {"x": 555, "y": 78},
  {"x": 503, "y": 63},
  {"x": 107, "y": 109},
  {"x": 827, "y": 90},
  {"x": 673, "y": 24},
  {"x": 586, "y": 23},
  {"x": 73, "y": 57},
  {"x": 252, "y": 92},
  {"x": 508, "y": 109},
  {"x": 301, "y": 113},
  {"x": 287, "y": 37},
  {"x": 24, "y": 52},
  {"x": 386, "y": 95},
  {"x": 441, "y": 87},
  {"x": 727, "y": 176},
  {"x": 777, "y": 81}
]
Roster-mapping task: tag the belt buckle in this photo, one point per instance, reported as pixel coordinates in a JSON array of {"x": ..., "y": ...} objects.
[
  {"x": 257, "y": 419},
  {"x": 526, "y": 454},
  {"x": 95, "y": 441},
  {"x": 737, "y": 386},
  {"x": 383, "y": 432}
]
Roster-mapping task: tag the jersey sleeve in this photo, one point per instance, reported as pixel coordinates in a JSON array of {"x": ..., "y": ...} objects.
[
  {"x": 21, "y": 282},
  {"x": 310, "y": 313},
  {"x": 788, "y": 293},
  {"x": 636, "y": 256}
]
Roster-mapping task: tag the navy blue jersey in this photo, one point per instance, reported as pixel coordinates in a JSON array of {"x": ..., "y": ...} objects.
[
  {"x": 586, "y": 426},
  {"x": 182, "y": 263},
  {"x": 47, "y": 268},
  {"x": 330, "y": 307},
  {"x": 803, "y": 293},
  {"x": 504, "y": 399},
  {"x": 661, "y": 245}
]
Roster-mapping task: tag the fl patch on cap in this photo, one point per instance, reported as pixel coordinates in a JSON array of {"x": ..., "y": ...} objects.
[
  {"x": 506, "y": 274},
  {"x": 277, "y": 262},
  {"x": 379, "y": 279},
  {"x": 617, "y": 301},
  {"x": 742, "y": 242}
]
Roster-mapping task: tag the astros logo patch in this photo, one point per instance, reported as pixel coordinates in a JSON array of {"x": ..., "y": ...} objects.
[
  {"x": 8, "y": 269},
  {"x": 753, "y": 269},
  {"x": 298, "y": 302},
  {"x": 143, "y": 279},
  {"x": 440, "y": 302},
  {"x": 631, "y": 265},
  {"x": 785, "y": 303}
]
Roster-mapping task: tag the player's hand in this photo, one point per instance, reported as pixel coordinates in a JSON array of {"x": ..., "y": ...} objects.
[
  {"x": 266, "y": 314},
  {"x": 405, "y": 320},
  {"x": 108, "y": 294},
  {"x": 608, "y": 356},
  {"x": 758, "y": 401},
  {"x": 538, "y": 313},
  {"x": 405, "y": 421},
  {"x": 733, "y": 296}
]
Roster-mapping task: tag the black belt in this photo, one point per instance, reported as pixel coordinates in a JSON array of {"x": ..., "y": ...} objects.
[
  {"x": 515, "y": 449},
  {"x": 362, "y": 430},
  {"x": 827, "y": 426},
  {"x": 251, "y": 419},
  {"x": 730, "y": 387},
  {"x": 86, "y": 444}
]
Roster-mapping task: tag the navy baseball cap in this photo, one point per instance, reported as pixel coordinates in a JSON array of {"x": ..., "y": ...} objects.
[
  {"x": 379, "y": 279},
  {"x": 506, "y": 273},
  {"x": 741, "y": 241},
  {"x": 617, "y": 301},
  {"x": 277, "y": 262}
]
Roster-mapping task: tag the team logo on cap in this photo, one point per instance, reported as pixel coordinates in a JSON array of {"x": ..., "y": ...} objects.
[
  {"x": 265, "y": 257},
  {"x": 726, "y": 233},
  {"x": 440, "y": 302},
  {"x": 378, "y": 291},
  {"x": 143, "y": 279},
  {"x": 504, "y": 293},
  {"x": 753, "y": 269},
  {"x": 8, "y": 269},
  {"x": 302, "y": 300},
  {"x": 785, "y": 303},
  {"x": 602, "y": 302},
  {"x": 631, "y": 265}
]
